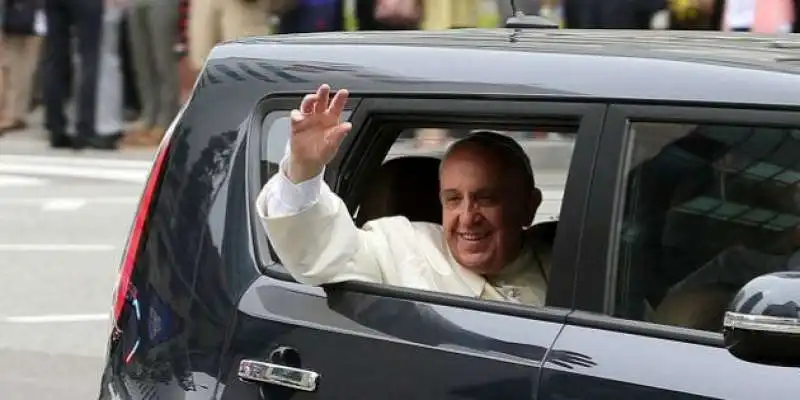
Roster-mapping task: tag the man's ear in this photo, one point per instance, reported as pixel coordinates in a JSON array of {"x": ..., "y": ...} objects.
[{"x": 533, "y": 203}]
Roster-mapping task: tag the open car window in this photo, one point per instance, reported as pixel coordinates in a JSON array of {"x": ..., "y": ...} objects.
[{"x": 406, "y": 181}]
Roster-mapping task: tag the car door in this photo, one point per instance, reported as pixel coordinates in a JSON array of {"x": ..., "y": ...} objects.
[
  {"x": 357, "y": 340},
  {"x": 711, "y": 182}
]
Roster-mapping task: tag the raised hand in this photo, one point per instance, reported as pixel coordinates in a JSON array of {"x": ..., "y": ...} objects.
[{"x": 317, "y": 132}]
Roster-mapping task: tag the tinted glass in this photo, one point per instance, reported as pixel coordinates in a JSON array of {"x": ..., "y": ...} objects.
[{"x": 706, "y": 209}]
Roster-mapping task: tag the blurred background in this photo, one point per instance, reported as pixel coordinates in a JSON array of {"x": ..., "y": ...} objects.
[{"x": 108, "y": 77}]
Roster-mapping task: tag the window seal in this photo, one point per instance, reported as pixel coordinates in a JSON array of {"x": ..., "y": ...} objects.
[
  {"x": 648, "y": 329},
  {"x": 544, "y": 313}
]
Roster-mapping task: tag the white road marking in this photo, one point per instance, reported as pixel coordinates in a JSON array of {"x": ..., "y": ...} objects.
[
  {"x": 16, "y": 180},
  {"x": 45, "y": 319},
  {"x": 76, "y": 161},
  {"x": 122, "y": 175},
  {"x": 23, "y": 247},
  {"x": 36, "y": 201},
  {"x": 63, "y": 204}
]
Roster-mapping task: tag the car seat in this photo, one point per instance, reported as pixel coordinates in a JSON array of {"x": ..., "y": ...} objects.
[{"x": 407, "y": 186}]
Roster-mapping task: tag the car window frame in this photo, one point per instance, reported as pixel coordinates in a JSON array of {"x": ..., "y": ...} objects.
[
  {"x": 560, "y": 297},
  {"x": 521, "y": 107},
  {"x": 278, "y": 102},
  {"x": 595, "y": 282}
]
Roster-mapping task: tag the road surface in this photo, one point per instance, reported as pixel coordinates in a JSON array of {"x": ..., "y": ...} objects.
[{"x": 64, "y": 217}]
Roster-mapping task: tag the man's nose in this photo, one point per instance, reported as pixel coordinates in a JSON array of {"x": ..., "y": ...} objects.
[{"x": 469, "y": 212}]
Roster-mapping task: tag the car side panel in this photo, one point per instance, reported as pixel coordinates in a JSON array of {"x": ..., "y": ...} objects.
[
  {"x": 371, "y": 347},
  {"x": 634, "y": 366},
  {"x": 187, "y": 276}
]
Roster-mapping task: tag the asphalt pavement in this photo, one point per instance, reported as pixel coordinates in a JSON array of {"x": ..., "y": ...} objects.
[{"x": 64, "y": 218}]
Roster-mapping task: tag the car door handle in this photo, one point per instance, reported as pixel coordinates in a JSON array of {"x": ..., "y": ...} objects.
[{"x": 276, "y": 374}]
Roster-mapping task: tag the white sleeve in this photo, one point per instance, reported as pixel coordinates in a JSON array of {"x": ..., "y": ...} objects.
[{"x": 282, "y": 197}]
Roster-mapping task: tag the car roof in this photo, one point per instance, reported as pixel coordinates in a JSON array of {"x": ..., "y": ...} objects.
[{"x": 682, "y": 66}]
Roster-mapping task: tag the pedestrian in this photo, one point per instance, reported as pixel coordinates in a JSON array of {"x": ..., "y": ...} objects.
[
  {"x": 611, "y": 14},
  {"x": 449, "y": 14},
  {"x": 82, "y": 22},
  {"x": 133, "y": 105},
  {"x": 313, "y": 16},
  {"x": 775, "y": 16},
  {"x": 153, "y": 33},
  {"x": 23, "y": 28},
  {"x": 370, "y": 20},
  {"x": 109, "y": 118},
  {"x": 214, "y": 21}
]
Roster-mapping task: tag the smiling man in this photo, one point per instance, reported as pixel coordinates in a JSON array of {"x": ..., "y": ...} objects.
[{"x": 482, "y": 249}]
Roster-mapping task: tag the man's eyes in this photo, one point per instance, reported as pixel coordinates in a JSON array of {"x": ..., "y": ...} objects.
[
  {"x": 482, "y": 200},
  {"x": 451, "y": 201},
  {"x": 486, "y": 199}
]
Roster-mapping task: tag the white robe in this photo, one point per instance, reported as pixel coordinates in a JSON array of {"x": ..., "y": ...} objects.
[{"x": 315, "y": 237}]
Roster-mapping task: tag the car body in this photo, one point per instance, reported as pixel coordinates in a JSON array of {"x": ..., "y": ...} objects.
[{"x": 200, "y": 292}]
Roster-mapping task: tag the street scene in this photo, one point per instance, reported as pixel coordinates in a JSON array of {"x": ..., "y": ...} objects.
[
  {"x": 79, "y": 128},
  {"x": 64, "y": 218}
]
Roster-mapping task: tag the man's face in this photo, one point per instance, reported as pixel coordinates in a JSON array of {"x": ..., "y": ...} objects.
[{"x": 485, "y": 205}]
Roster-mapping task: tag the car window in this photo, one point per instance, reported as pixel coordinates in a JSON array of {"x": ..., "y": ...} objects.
[
  {"x": 406, "y": 182},
  {"x": 706, "y": 208},
  {"x": 275, "y": 139}
]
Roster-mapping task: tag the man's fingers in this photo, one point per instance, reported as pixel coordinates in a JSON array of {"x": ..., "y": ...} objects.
[
  {"x": 300, "y": 121},
  {"x": 296, "y": 116},
  {"x": 338, "y": 103},
  {"x": 323, "y": 96},
  {"x": 308, "y": 104},
  {"x": 335, "y": 135}
]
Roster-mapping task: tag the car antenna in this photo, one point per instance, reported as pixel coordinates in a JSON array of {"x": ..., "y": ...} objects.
[
  {"x": 520, "y": 21},
  {"x": 514, "y": 10}
]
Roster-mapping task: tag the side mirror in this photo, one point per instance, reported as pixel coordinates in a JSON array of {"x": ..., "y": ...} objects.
[{"x": 762, "y": 324}]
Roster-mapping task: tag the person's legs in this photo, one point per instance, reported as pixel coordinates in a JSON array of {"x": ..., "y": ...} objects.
[
  {"x": 5, "y": 66},
  {"x": 58, "y": 69},
  {"x": 108, "y": 123},
  {"x": 242, "y": 19},
  {"x": 164, "y": 23},
  {"x": 23, "y": 56},
  {"x": 89, "y": 31},
  {"x": 204, "y": 30},
  {"x": 141, "y": 42},
  {"x": 321, "y": 16},
  {"x": 130, "y": 92}
]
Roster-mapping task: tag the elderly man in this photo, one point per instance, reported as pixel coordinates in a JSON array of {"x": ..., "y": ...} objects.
[{"x": 488, "y": 199}]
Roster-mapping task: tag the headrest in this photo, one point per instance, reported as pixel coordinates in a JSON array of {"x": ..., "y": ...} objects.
[{"x": 407, "y": 186}]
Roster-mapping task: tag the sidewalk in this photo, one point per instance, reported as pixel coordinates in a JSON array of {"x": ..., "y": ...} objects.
[{"x": 34, "y": 141}]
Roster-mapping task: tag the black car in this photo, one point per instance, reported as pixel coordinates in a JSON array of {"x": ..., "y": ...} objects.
[{"x": 669, "y": 161}]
